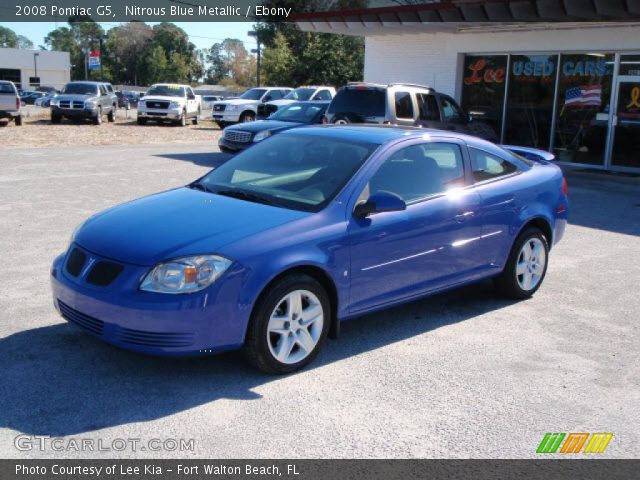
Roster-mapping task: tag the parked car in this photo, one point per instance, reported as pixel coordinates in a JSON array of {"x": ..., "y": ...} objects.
[
  {"x": 209, "y": 100},
  {"x": 47, "y": 90},
  {"x": 271, "y": 250},
  {"x": 244, "y": 108},
  {"x": 243, "y": 135},
  {"x": 402, "y": 104},
  {"x": 81, "y": 100},
  {"x": 169, "y": 102},
  {"x": 29, "y": 98},
  {"x": 44, "y": 101},
  {"x": 300, "y": 94},
  {"x": 10, "y": 104}
]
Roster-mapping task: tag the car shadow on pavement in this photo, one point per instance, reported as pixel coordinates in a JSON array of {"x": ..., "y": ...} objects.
[
  {"x": 57, "y": 381},
  {"x": 204, "y": 159}
]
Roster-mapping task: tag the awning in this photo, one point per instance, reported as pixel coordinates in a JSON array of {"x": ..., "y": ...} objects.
[{"x": 464, "y": 15}]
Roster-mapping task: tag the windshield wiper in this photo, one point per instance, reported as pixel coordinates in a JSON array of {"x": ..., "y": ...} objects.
[
  {"x": 200, "y": 186},
  {"x": 242, "y": 195}
]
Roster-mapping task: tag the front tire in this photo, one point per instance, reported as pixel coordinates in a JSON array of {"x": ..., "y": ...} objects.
[
  {"x": 97, "y": 120},
  {"x": 527, "y": 265},
  {"x": 112, "y": 115},
  {"x": 55, "y": 118},
  {"x": 247, "y": 117},
  {"x": 288, "y": 325},
  {"x": 141, "y": 121},
  {"x": 183, "y": 119}
]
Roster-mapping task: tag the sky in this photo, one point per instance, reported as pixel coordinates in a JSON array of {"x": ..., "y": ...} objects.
[{"x": 202, "y": 34}]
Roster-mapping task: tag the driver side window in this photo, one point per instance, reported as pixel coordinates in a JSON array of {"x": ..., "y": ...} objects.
[{"x": 419, "y": 171}]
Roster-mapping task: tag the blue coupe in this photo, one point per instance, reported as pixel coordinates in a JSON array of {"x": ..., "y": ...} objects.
[{"x": 316, "y": 225}]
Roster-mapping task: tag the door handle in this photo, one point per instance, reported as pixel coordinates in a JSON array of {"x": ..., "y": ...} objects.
[{"x": 461, "y": 217}]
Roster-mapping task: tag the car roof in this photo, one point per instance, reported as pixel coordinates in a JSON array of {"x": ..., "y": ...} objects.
[
  {"x": 87, "y": 81},
  {"x": 310, "y": 102},
  {"x": 381, "y": 134}
]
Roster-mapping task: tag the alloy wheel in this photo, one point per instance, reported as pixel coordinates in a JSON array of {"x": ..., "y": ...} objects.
[
  {"x": 531, "y": 264},
  {"x": 295, "y": 326}
]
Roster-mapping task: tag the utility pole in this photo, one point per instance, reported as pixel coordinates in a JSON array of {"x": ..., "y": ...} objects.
[{"x": 254, "y": 33}]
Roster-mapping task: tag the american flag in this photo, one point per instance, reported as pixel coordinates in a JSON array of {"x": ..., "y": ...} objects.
[{"x": 585, "y": 96}]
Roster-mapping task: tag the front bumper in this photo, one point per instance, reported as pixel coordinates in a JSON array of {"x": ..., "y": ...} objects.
[
  {"x": 209, "y": 321},
  {"x": 226, "y": 117},
  {"x": 160, "y": 113},
  {"x": 75, "y": 112},
  {"x": 225, "y": 144}
]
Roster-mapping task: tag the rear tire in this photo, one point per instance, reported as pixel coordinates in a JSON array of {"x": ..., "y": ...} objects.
[
  {"x": 526, "y": 267},
  {"x": 288, "y": 325},
  {"x": 195, "y": 120},
  {"x": 18, "y": 120}
]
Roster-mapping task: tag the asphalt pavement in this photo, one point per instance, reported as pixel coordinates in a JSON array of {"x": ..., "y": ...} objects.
[{"x": 463, "y": 374}]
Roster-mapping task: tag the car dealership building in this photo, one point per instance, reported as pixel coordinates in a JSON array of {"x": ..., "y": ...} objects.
[
  {"x": 559, "y": 75},
  {"x": 30, "y": 69}
]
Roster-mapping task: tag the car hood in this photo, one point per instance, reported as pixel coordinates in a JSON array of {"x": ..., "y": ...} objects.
[
  {"x": 281, "y": 102},
  {"x": 161, "y": 98},
  {"x": 176, "y": 223},
  {"x": 74, "y": 97},
  {"x": 239, "y": 101},
  {"x": 261, "y": 125}
]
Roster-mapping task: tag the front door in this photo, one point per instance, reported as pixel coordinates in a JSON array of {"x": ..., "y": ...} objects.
[
  {"x": 396, "y": 255},
  {"x": 626, "y": 134}
]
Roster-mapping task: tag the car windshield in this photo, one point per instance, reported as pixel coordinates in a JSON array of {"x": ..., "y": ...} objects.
[
  {"x": 166, "y": 91},
  {"x": 253, "y": 94},
  {"x": 80, "y": 89},
  {"x": 368, "y": 102},
  {"x": 296, "y": 112},
  {"x": 296, "y": 171},
  {"x": 300, "y": 93}
]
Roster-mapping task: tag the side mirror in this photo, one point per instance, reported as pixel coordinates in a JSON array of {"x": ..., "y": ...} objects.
[{"x": 379, "y": 202}]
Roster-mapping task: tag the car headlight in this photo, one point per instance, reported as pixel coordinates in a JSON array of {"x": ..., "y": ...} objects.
[
  {"x": 174, "y": 105},
  {"x": 232, "y": 108},
  {"x": 90, "y": 103},
  {"x": 261, "y": 135},
  {"x": 185, "y": 274},
  {"x": 55, "y": 102}
]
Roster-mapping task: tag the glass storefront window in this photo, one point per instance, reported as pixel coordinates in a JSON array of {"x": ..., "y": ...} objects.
[
  {"x": 530, "y": 100},
  {"x": 483, "y": 90},
  {"x": 630, "y": 65},
  {"x": 582, "y": 112}
]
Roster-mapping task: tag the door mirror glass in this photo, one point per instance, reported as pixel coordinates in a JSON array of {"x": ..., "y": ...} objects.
[{"x": 379, "y": 202}]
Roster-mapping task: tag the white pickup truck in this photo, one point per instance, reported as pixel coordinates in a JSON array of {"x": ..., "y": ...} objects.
[
  {"x": 169, "y": 102},
  {"x": 245, "y": 107},
  {"x": 10, "y": 102}
]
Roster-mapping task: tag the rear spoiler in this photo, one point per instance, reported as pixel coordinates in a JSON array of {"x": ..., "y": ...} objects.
[{"x": 529, "y": 153}]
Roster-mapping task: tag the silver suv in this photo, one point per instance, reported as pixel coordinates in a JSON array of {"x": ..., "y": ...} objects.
[{"x": 402, "y": 104}]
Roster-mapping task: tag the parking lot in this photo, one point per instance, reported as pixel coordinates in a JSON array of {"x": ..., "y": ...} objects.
[{"x": 462, "y": 374}]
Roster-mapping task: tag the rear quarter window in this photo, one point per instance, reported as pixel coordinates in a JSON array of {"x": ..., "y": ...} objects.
[
  {"x": 485, "y": 166},
  {"x": 366, "y": 102}
]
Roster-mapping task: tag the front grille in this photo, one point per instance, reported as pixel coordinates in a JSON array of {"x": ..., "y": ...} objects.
[
  {"x": 237, "y": 136},
  {"x": 104, "y": 273},
  {"x": 69, "y": 104},
  {"x": 92, "y": 325},
  {"x": 265, "y": 110},
  {"x": 219, "y": 108},
  {"x": 157, "y": 104},
  {"x": 154, "y": 339},
  {"x": 75, "y": 262}
]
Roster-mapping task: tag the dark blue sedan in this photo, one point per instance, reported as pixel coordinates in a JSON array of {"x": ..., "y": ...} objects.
[
  {"x": 242, "y": 135},
  {"x": 271, "y": 250}
]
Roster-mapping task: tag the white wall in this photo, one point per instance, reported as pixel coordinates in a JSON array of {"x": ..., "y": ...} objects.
[
  {"x": 434, "y": 59},
  {"x": 53, "y": 67}
]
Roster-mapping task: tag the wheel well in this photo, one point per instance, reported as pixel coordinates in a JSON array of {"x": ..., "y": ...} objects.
[
  {"x": 250, "y": 112},
  {"x": 323, "y": 278},
  {"x": 543, "y": 226}
]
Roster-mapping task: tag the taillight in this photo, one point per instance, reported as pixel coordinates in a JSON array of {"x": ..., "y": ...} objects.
[
  {"x": 565, "y": 187},
  {"x": 17, "y": 103}
]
